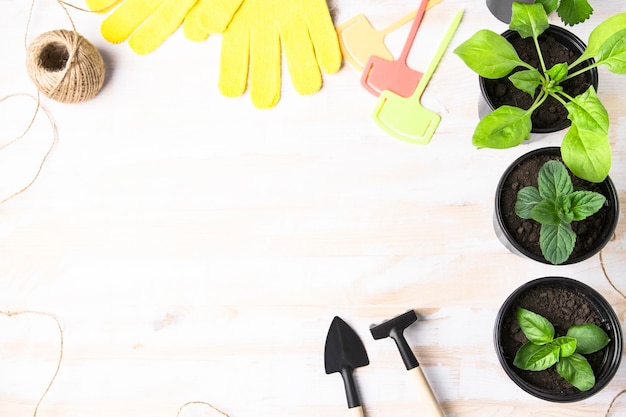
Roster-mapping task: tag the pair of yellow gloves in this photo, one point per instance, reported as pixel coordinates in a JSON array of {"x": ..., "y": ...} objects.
[{"x": 254, "y": 34}]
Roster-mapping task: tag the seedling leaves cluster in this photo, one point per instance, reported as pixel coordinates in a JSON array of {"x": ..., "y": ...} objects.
[
  {"x": 585, "y": 147},
  {"x": 544, "y": 350},
  {"x": 555, "y": 204}
]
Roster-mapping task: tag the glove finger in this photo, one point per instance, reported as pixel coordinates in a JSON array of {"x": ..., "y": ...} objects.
[
  {"x": 160, "y": 25},
  {"x": 192, "y": 28},
  {"x": 234, "y": 61},
  {"x": 325, "y": 39},
  {"x": 118, "y": 26},
  {"x": 303, "y": 67},
  {"x": 265, "y": 62},
  {"x": 215, "y": 15},
  {"x": 101, "y": 6}
]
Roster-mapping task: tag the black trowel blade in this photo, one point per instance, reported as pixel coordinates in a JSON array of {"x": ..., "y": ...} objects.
[{"x": 344, "y": 349}]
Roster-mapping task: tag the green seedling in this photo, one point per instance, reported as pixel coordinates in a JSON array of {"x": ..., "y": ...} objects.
[
  {"x": 571, "y": 12},
  {"x": 585, "y": 147},
  {"x": 544, "y": 350},
  {"x": 555, "y": 205}
]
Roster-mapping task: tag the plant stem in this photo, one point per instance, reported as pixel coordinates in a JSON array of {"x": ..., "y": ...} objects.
[
  {"x": 543, "y": 64},
  {"x": 580, "y": 71},
  {"x": 539, "y": 101}
]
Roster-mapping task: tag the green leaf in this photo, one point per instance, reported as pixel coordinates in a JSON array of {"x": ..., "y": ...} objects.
[
  {"x": 585, "y": 203},
  {"x": 527, "y": 199},
  {"x": 527, "y": 81},
  {"x": 556, "y": 242},
  {"x": 546, "y": 212},
  {"x": 577, "y": 371},
  {"x": 589, "y": 338},
  {"x": 612, "y": 53},
  {"x": 557, "y": 73},
  {"x": 600, "y": 34},
  {"x": 489, "y": 55},
  {"x": 572, "y": 12},
  {"x": 585, "y": 148},
  {"x": 529, "y": 20},
  {"x": 505, "y": 127},
  {"x": 587, "y": 153},
  {"x": 566, "y": 344},
  {"x": 554, "y": 180},
  {"x": 587, "y": 112},
  {"x": 533, "y": 357},
  {"x": 535, "y": 327},
  {"x": 548, "y": 5}
]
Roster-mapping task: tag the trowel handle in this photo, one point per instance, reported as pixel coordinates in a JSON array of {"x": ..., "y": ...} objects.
[
  {"x": 429, "y": 407},
  {"x": 356, "y": 411}
]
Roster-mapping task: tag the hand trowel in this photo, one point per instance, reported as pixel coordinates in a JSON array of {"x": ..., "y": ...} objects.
[
  {"x": 394, "y": 328},
  {"x": 344, "y": 352}
]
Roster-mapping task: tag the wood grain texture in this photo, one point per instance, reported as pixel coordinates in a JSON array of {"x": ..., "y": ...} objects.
[{"x": 195, "y": 249}]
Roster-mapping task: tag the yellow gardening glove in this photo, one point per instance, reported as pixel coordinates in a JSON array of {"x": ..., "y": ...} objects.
[
  {"x": 148, "y": 23},
  {"x": 252, "y": 42}
]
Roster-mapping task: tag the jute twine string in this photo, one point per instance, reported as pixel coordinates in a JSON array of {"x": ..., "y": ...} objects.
[
  {"x": 30, "y": 124},
  {"x": 64, "y": 65},
  {"x": 60, "y": 358},
  {"x": 608, "y": 278},
  {"x": 211, "y": 406}
]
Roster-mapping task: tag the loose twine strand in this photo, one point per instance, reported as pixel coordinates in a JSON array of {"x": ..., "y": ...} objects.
[
  {"x": 608, "y": 278},
  {"x": 30, "y": 124},
  {"x": 60, "y": 358}
]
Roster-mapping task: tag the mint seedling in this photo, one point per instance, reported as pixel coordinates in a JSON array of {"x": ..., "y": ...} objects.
[
  {"x": 555, "y": 204},
  {"x": 585, "y": 147},
  {"x": 544, "y": 350}
]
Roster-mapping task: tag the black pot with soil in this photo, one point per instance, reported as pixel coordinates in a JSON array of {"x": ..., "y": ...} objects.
[
  {"x": 521, "y": 236},
  {"x": 558, "y": 45},
  {"x": 564, "y": 302}
]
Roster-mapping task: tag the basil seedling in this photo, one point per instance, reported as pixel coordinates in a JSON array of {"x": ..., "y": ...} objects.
[
  {"x": 585, "y": 147},
  {"x": 555, "y": 205},
  {"x": 544, "y": 350}
]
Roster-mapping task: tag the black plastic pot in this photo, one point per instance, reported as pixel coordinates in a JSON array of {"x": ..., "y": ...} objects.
[
  {"x": 568, "y": 40},
  {"x": 605, "y": 363},
  {"x": 506, "y": 236},
  {"x": 502, "y": 9}
]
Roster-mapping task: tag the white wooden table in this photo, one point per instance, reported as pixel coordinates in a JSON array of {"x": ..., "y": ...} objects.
[{"x": 195, "y": 249}]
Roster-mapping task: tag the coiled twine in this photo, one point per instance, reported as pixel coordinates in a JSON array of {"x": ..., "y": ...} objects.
[{"x": 65, "y": 66}]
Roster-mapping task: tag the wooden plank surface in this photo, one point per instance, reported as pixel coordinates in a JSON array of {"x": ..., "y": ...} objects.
[{"x": 194, "y": 249}]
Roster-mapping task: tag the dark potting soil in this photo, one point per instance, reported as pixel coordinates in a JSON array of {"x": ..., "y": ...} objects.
[
  {"x": 589, "y": 232},
  {"x": 563, "y": 307},
  {"x": 551, "y": 112}
]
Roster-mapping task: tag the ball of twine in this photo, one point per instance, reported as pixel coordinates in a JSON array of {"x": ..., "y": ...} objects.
[{"x": 65, "y": 66}]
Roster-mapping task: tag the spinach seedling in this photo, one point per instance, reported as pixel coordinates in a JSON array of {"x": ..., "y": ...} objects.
[
  {"x": 571, "y": 12},
  {"x": 555, "y": 204},
  {"x": 543, "y": 349},
  {"x": 585, "y": 147}
]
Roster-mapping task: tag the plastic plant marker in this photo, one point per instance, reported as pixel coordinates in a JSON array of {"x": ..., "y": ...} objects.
[
  {"x": 359, "y": 40},
  {"x": 381, "y": 74},
  {"x": 406, "y": 118}
]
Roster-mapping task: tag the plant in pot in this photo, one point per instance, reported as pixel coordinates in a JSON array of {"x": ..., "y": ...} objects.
[
  {"x": 545, "y": 213},
  {"x": 546, "y": 87},
  {"x": 558, "y": 339}
]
